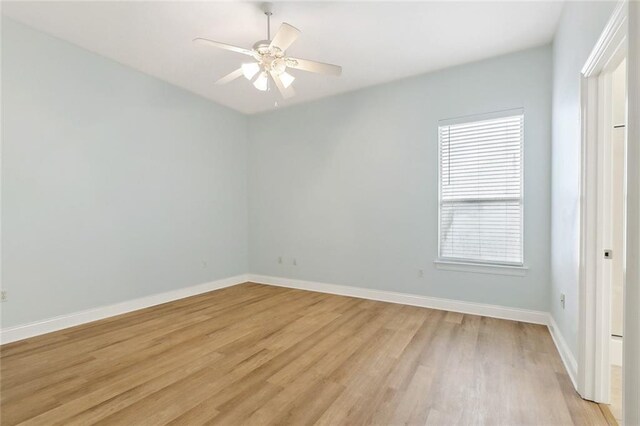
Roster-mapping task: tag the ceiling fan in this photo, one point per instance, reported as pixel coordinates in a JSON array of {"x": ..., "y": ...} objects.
[{"x": 271, "y": 61}]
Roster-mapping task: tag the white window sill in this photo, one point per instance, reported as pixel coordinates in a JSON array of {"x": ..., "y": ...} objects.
[{"x": 481, "y": 268}]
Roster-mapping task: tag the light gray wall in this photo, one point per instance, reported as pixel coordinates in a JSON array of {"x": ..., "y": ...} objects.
[
  {"x": 580, "y": 26},
  {"x": 115, "y": 185},
  {"x": 348, "y": 185}
]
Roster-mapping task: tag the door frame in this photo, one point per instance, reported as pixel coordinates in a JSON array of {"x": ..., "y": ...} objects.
[
  {"x": 631, "y": 350},
  {"x": 594, "y": 332}
]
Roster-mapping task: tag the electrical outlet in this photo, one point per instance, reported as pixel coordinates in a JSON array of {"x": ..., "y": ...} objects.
[
  {"x": 562, "y": 299},
  {"x": 3, "y": 296},
  {"x": 294, "y": 262},
  {"x": 421, "y": 273},
  {"x": 204, "y": 264},
  {"x": 280, "y": 260}
]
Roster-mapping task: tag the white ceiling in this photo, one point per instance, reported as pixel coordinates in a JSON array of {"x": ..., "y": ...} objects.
[{"x": 375, "y": 42}]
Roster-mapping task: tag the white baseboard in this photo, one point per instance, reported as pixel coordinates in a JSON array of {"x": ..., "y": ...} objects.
[
  {"x": 616, "y": 351},
  {"x": 566, "y": 355},
  {"x": 12, "y": 334},
  {"x": 495, "y": 311}
]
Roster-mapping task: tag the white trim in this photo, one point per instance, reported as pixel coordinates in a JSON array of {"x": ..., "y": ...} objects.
[
  {"x": 494, "y": 311},
  {"x": 12, "y": 334},
  {"x": 481, "y": 268},
  {"x": 616, "y": 351},
  {"x": 594, "y": 309},
  {"x": 609, "y": 41},
  {"x": 631, "y": 333},
  {"x": 566, "y": 355},
  {"x": 481, "y": 117}
]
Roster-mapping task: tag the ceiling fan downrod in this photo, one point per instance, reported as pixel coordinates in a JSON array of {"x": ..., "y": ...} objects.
[{"x": 267, "y": 8}]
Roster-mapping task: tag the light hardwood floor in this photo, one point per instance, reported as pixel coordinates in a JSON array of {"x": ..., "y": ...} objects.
[{"x": 254, "y": 354}]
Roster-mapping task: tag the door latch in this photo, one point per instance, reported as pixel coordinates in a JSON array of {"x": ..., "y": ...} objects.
[{"x": 608, "y": 253}]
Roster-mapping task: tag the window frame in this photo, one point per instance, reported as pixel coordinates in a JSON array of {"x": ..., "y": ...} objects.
[{"x": 471, "y": 264}]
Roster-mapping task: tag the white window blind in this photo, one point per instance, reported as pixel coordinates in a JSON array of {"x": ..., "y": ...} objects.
[{"x": 481, "y": 189}]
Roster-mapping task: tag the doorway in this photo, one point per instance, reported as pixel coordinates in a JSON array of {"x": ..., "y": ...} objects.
[
  {"x": 613, "y": 225},
  {"x": 603, "y": 217}
]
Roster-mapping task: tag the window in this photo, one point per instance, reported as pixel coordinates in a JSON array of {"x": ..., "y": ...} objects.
[{"x": 481, "y": 189}]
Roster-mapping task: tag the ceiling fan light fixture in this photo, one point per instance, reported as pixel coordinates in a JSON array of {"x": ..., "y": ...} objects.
[
  {"x": 286, "y": 79},
  {"x": 271, "y": 60},
  {"x": 249, "y": 70},
  {"x": 262, "y": 82}
]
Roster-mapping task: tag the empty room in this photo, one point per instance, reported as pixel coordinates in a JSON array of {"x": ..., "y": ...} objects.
[{"x": 332, "y": 213}]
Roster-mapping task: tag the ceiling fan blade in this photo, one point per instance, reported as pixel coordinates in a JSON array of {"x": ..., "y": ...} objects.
[
  {"x": 285, "y": 36},
  {"x": 286, "y": 92},
  {"x": 230, "y": 77},
  {"x": 313, "y": 66},
  {"x": 225, "y": 46}
]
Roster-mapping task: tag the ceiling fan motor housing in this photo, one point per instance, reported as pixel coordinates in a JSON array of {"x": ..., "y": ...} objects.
[
  {"x": 263, "y": 48},
  {"x": 270, "y": 58}
]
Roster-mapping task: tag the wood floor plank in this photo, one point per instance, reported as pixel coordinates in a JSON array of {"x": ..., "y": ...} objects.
[{"x": 261, "y": 355}]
